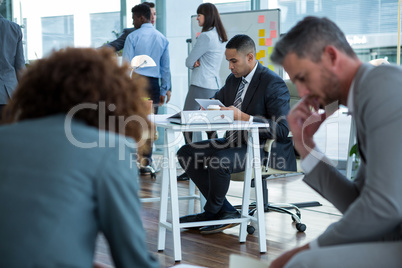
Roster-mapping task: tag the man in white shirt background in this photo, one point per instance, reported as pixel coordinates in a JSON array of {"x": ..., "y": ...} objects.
[{"x": 146, "y": 40}]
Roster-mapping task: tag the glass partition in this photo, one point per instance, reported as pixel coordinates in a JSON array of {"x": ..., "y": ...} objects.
[{"x": 371, "y": 27}]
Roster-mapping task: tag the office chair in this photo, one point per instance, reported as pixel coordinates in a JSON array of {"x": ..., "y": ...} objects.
[{"x": 268, "y": 173}]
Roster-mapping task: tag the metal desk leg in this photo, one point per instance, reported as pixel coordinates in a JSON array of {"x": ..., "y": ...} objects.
[
  {"x": 169, "y": 178},
  {"x": 164, "y": 199},
  {"x": 258, "y": 189},
  {"x": 191, "y": 192},
  {"x": 174, "y": 196},
  {"x": 246, "y": 190}
]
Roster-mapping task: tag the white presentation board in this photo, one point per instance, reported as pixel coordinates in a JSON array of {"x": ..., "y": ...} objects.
[{"x": 261, "y": 25}]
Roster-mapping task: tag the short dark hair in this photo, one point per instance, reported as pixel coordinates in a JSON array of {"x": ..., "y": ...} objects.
[
  {"x": 150, "y": 4},
  {"x": 242, "y": 43},
  {"x": 309, "y": 38},
  {"x": 142, "y": 10}
]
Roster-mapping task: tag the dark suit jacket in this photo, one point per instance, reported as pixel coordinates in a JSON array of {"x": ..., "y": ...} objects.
[
  {"x": 118, "y": 44},
  {"x": 11, "y": 58},
  {"x": 267, "y": 100}
]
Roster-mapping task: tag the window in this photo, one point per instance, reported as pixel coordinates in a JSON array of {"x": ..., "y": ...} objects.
[
  {"x": 57, "y": 33},
  {"x": 105, "y": 27},
  {"x": 371, "y": 27}
]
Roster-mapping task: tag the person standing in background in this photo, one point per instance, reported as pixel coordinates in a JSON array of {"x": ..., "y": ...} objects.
[
  {"x": 11, "y": 58},
  {"x": 205, "y": 60},
  {"x": 118, "y": 44},
  {"x": 146, "y": 40}
]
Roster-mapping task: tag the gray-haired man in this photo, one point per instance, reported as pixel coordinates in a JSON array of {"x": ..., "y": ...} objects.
[{"x": 319, "y": 60}]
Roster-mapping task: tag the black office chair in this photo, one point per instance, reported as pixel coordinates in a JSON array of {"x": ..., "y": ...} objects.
[{"x": 269, "y": 173}]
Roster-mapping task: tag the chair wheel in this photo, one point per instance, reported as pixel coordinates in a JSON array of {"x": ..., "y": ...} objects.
[
  {"x": 250, "y": 229},
  {"x": 153, "y": 175},
  {"x": 301, "y": 227}
]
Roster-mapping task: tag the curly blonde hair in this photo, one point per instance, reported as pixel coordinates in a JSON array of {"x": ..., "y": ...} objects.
[{"x": 74, "y": 76}]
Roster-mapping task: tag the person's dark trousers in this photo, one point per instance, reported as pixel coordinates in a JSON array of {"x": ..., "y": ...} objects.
[
  {"x": 1, "y": 110},
  {"x": 209, "y": 164},
  {"x": 154, "y": 93},
  {"x": 188, "y": 136}
]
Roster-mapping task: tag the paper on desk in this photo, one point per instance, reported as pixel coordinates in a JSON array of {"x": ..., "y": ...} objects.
[{"x": 206, "y": 102}]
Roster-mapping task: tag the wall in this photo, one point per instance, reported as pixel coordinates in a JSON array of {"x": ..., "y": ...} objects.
[{"x": 178, "y": 29}]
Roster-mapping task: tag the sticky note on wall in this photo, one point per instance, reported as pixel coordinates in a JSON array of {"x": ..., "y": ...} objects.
[
  {"x": 272, "y": 25},
  {"x": 261, "y": 42},
  {"x": 268, "y": 41},
  {"x": 260, "y": 54},
  {"x": 270, "y": 49},
  {"x": 273, "y": 34},
  {"x": 261, "y": 32},
  {"x": 261, "y": 19}
]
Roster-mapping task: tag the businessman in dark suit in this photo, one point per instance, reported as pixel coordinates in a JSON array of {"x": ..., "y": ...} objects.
[
  {"x": 11, "y": 58},
  {"x": 255, "y": 94}
]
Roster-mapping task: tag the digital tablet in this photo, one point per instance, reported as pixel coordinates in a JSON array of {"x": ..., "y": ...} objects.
[{"x": 206, "y": 102}]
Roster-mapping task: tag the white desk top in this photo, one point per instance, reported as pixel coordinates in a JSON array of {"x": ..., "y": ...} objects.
[{"x": 160, "y": 120}]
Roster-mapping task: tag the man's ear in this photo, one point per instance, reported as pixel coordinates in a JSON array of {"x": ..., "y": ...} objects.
[
  {"x": 250, "y": 56},
  {"x": 143, "y": 19},
  {"x": 330, "y": 55}
]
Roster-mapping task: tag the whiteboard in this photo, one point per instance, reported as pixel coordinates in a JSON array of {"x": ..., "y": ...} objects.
[{"x": 261, "y": 25}]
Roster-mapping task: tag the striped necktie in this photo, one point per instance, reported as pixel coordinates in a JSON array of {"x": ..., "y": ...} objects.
[
  {"x": 238, "y": 100},
  {"x": 232, "y": 136}
]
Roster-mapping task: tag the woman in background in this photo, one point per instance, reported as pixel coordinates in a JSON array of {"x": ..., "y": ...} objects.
[{"x": 205, "y": 61}]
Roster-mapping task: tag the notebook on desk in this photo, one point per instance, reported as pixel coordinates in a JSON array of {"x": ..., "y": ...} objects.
[{"x": 202, "y": 117}]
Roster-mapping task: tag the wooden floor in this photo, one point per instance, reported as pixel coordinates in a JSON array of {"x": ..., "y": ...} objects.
[{"x": 214, "y": 250}]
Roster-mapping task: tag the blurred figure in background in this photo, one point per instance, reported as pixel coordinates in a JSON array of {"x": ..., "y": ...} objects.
[
  {"x": 68, "y": 163},
  {"x": 11, "y": 58}
]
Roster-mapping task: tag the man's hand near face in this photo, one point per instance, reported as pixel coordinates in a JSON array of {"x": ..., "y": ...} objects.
[{"x": 304, "y": 121}]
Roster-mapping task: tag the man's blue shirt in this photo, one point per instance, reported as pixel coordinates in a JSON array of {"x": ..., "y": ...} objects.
[{"x": 148, "y": 41}]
